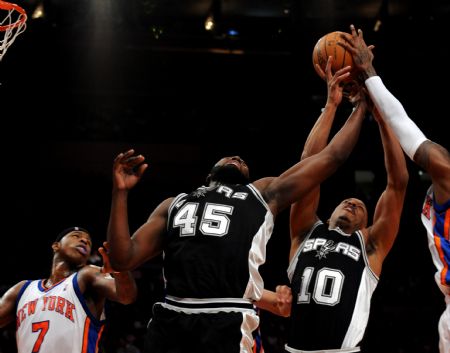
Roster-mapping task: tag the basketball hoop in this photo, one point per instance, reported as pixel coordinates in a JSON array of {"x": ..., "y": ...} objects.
[{"x": 11, "y": 25}]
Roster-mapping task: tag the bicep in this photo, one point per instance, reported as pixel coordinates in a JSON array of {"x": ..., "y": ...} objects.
[
  {"x": 102, "y": 283},
  {"x": 386, "y": 221},
  {"x": 112, "y": 287},
  {"x": 303, "y": 214},
  {"x": 8, "y": 304},
  {"x": 148, "y": 239},
  {"x": 298, "y": 181}
]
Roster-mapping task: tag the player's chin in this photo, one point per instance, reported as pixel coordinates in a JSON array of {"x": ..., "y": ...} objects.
[
  {"x": 344, "y": 218},
  {"x": 79, "y": 257}
]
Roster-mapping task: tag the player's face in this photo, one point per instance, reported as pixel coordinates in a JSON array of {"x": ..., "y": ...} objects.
[
  {"x": 76, "y": 246},
  {"x": 230, "y": 170},
  {"x": 350, "y": 215}
]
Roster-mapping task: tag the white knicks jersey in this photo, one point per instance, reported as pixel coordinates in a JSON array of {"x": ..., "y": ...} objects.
[
  {"x": 56, "y": 319},
  {"x": 436, "y": 220}
]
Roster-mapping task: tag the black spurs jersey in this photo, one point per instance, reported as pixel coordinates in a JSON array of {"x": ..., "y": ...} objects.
[
  {"x": 216, "y": 241},
  {"x": 332, "y": 285}
]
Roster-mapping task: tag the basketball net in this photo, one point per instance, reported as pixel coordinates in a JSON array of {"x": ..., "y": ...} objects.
[{"x": 11, "y": 25}]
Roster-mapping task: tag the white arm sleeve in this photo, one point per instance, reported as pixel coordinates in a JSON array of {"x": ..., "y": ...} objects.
[{"x": 392, "y": 111}]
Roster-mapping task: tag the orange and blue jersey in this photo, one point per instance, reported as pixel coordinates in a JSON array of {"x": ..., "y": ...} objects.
[
  {"x": 436, "y": 219},
  {"x": 55, "y": 319}
]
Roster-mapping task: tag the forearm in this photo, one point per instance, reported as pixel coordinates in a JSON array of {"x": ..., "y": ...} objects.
[
  {"x": 318, "y": 137},
  {"x": 297, "y": 182},
  {"x": 126, "y": 288},
  {"x": 391, "y": 110},
  {"x": 395, "y": 164},
  {"x": 118, "y": 234},
  {"x": 278, "y": 303},
  {"x": 268, "y": 302},
  {"x": 345, "y": 140}
]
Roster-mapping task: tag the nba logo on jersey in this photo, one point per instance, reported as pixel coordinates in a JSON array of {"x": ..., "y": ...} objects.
[{"x": 427, "y": 207}]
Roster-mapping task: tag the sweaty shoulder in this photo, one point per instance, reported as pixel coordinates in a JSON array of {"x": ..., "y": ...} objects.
[
  {"x": 263, "y": 185},
  {"x": 15, "y": 290},
  {"x": 163, "y": 207},
  {"x": 267, "y": 190},
  {"x": 8, "y": 303}
]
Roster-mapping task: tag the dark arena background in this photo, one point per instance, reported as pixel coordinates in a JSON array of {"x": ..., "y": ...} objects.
[{"x": 91, "y": 78}]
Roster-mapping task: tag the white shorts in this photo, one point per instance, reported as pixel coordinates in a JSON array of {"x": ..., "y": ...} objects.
[{"x": 444, "y": 328}]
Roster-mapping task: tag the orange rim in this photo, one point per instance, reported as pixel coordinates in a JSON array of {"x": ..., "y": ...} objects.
[{"x": 9, "y": 6}]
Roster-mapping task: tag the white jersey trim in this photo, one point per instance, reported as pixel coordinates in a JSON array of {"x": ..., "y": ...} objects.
[
  {"x": 294, "y": 260},
  {"x": 258, "y": 195},
  {"x": 208, "y": 300},
  {"x": 365, "y": 256},
  {"x": 344, "y": 350},
  {"x": 172, "y": 205},
  {"x": 257, "y": 257},
  {"x": 205, "y": 310}
]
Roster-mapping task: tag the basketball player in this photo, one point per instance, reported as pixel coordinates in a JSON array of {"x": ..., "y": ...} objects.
[
  {"x": 334, "y": 266},
  {"x": 214, "y": 240},
  {"x": 64, "y": 313},
  {"x": 430, "y": 156}
]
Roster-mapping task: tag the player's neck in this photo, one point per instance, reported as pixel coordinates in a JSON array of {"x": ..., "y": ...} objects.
[{"x": 60, "y": 270}]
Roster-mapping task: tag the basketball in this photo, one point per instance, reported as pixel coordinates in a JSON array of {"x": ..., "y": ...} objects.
[{"x": 328, "y": 46}]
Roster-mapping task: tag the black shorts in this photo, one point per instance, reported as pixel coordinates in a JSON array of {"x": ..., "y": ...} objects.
[{"x": 171, "y": 331}]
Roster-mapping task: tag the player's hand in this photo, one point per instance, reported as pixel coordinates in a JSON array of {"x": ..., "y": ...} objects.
[
  {"x": 103, "y": 250},
  {"x": 128, "y": 170},
  {"x": 284, "y": 300},
  {"x": 335, "y": 83},
  {"x": 361, "y": 52}
]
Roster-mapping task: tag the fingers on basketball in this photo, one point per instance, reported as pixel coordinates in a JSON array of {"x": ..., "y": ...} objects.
[{"x": 328, "y": 45}]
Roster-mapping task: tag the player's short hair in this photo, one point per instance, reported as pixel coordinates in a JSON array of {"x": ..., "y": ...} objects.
[{"x": 68, "y": 230}]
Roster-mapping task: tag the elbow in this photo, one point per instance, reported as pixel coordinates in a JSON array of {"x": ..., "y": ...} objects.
[
  {"x": 336, "y": 155},
  {"x": 120, "y": 266},
  {"x": 5, "y": 321},
  {"x": 128, "y": 300},
  {"x": 400, "y": 182},
  {"x": 120, "y": 262},
  {"x": 403, "y": 180},
  {"x": 340, "y": 159},
  {"x": 129, "y": 297},
  {"x": 337, "y": 159},
  {"x": 285, "y": 314},
  {"x": 305, "y": 154}
]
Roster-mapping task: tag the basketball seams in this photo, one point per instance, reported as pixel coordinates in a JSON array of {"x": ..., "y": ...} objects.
[
  {"x": 328, "y": 45},
  {"x": 338, "y": 46},
  {"x": 325, "y": 41}
]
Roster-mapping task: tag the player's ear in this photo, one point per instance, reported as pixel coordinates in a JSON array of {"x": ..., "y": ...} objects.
[{"x": 55, "y": 246}]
